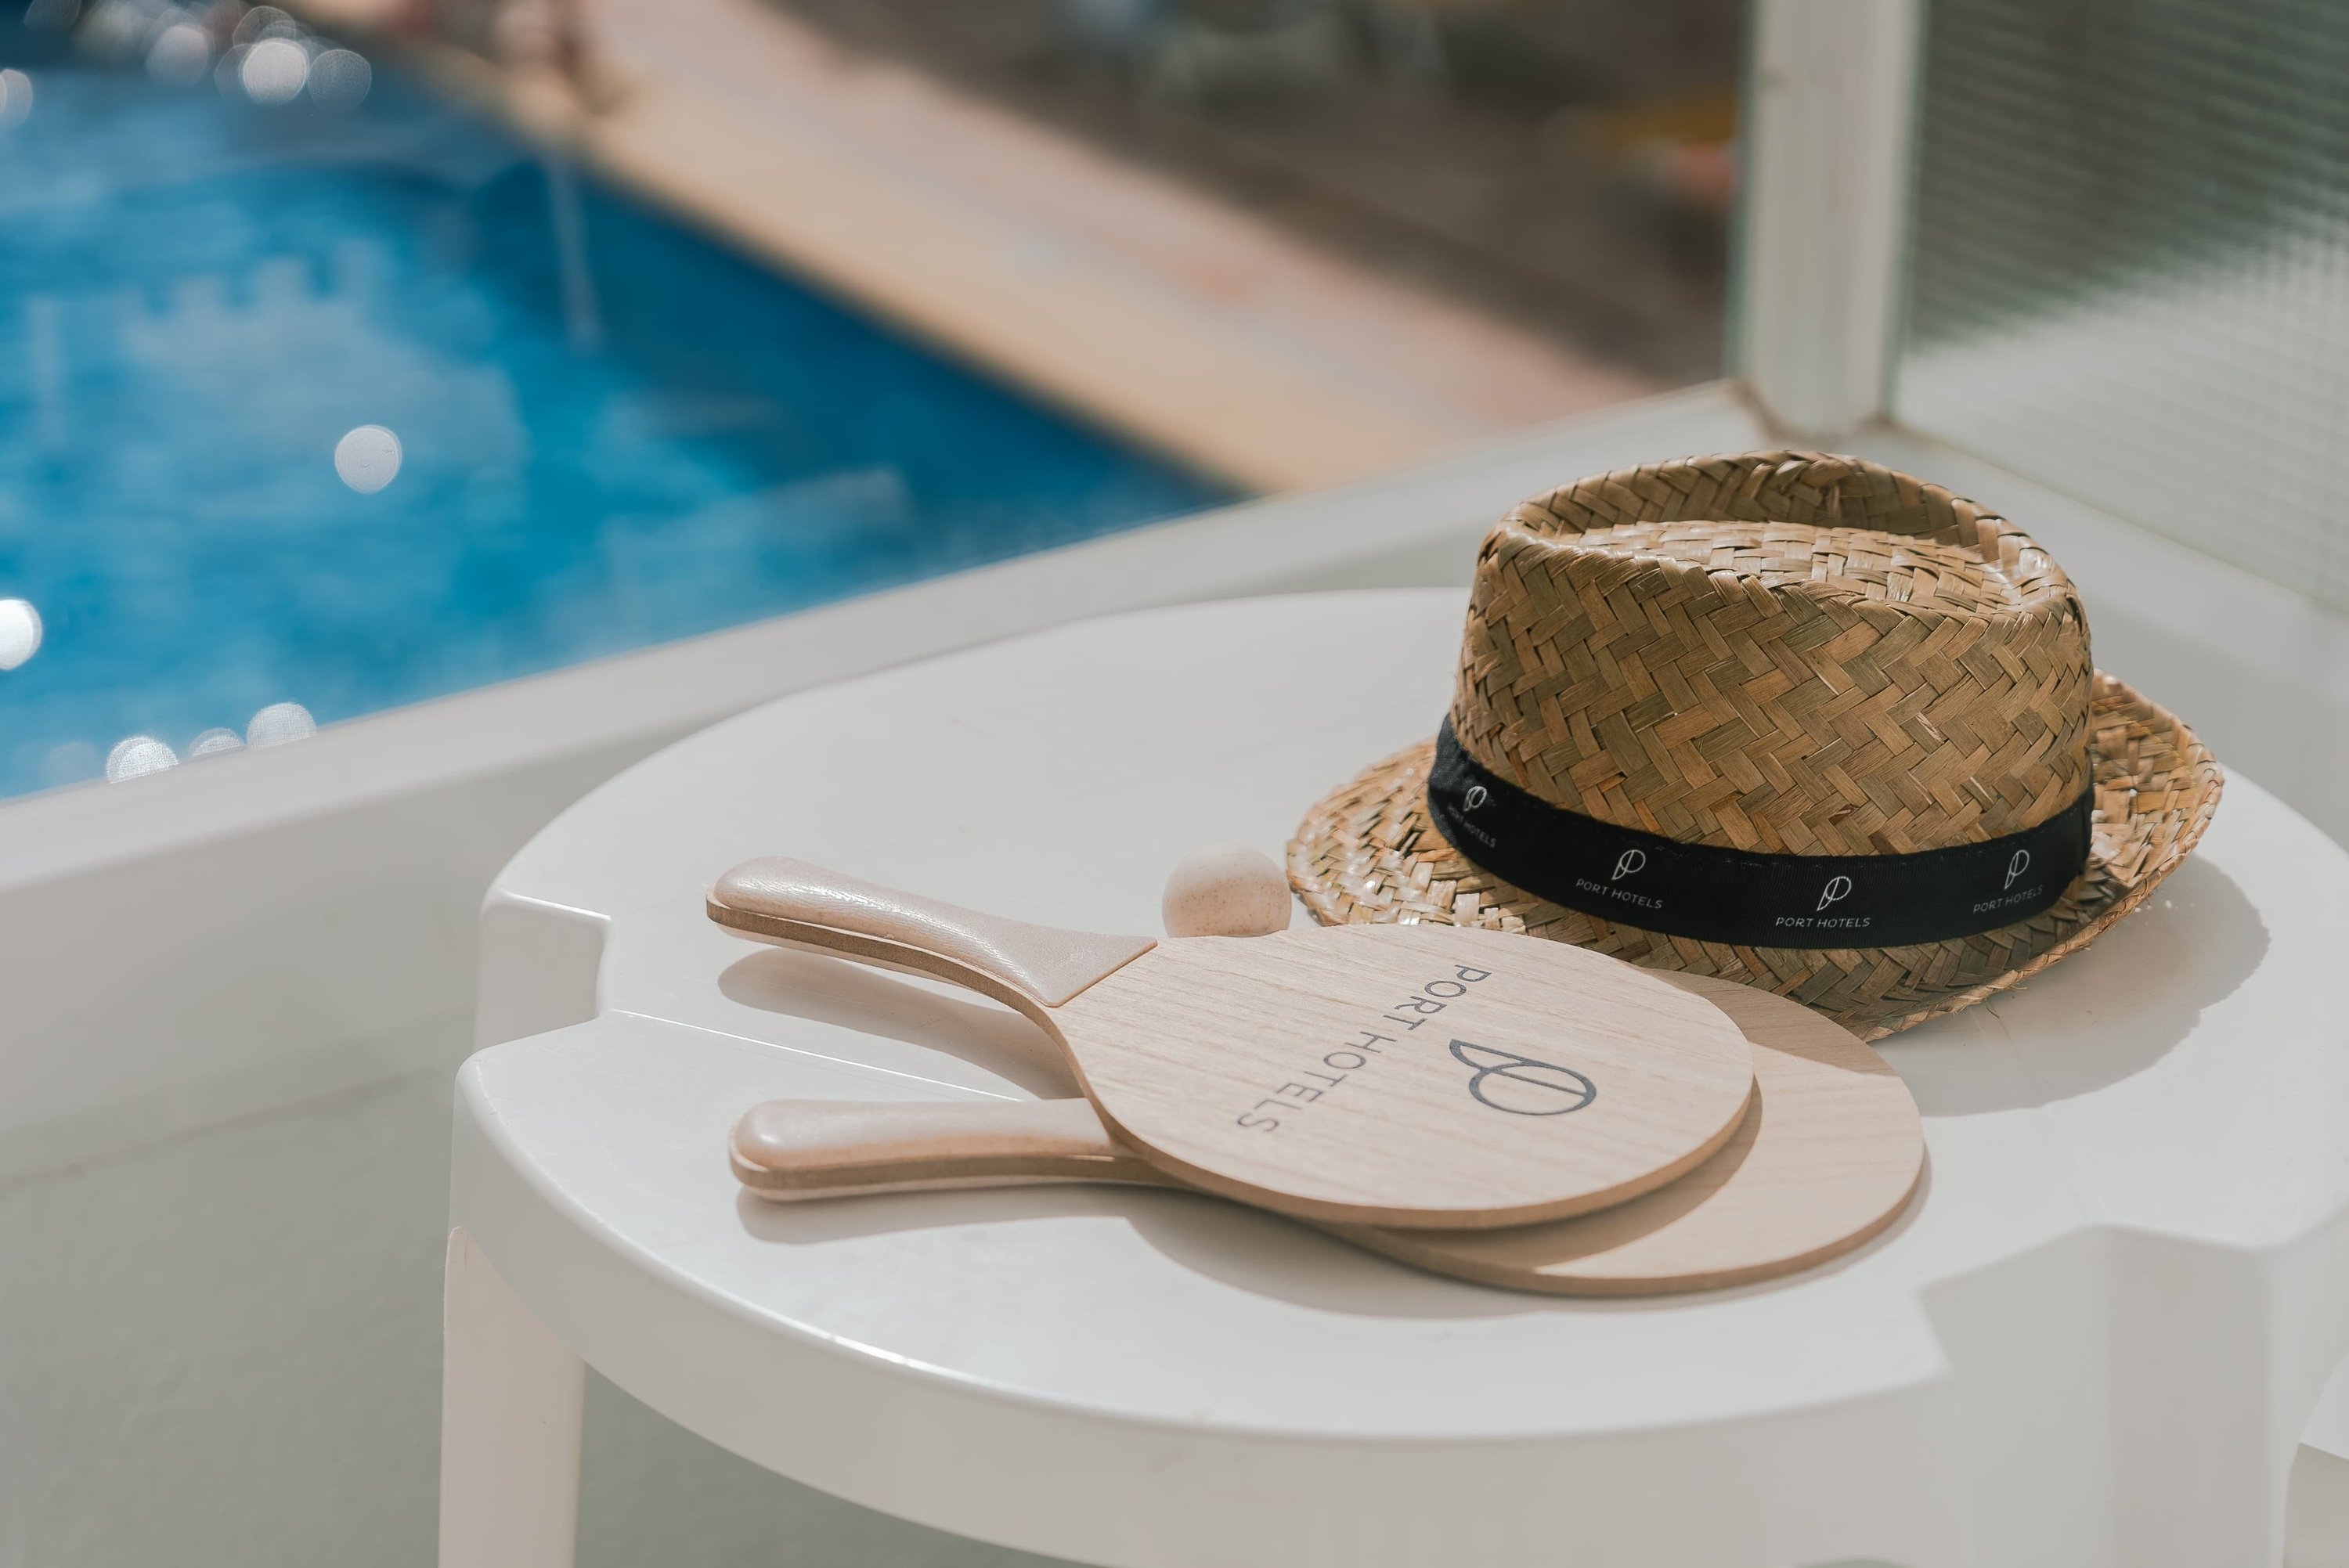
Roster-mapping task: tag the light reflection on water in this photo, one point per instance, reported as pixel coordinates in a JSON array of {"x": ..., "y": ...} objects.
[
  {"x": 368, "y": 458},
  {"x": 339, "y": 80},
  {"x": 273, "y": 71},
  {"x": 180, "y": 55},
  {"x": 20, "y": 633},
  {"x": 279, "y": 723},
  {"x": 137, "y": 757},
  {"x": 585, "y": 431}
]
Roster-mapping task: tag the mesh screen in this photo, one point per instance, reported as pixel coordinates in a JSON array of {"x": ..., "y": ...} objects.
[{"x": 2129, "y": 276}]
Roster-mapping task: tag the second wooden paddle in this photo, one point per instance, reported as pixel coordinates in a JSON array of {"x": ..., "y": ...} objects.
[
  {"x": 1390, "y": 1075},
  {"x": 1826, "y": 1156}
]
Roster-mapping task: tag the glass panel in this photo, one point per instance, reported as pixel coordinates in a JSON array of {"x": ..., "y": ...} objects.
[
  {"x": 2130, "y": 267},
  {"x": 1562, "y": 166}
]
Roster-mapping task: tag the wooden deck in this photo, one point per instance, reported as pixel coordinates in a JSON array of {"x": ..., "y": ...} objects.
[{"x": 1108, "y": 289}]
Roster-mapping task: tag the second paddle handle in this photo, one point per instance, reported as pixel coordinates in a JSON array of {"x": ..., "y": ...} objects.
[
  {"x": 1042, "y": 965},
  {"x": 801, "y": 1149}
]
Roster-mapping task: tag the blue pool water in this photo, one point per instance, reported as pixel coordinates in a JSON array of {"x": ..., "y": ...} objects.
[{"x": 613, "y": 432}]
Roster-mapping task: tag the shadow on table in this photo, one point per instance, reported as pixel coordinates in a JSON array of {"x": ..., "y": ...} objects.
[
  {"x": 931, "y": 1014},
  {"x": 2101, "y": 1016},
  {"x": 1261, "y": 1253},
  {"x": 1336, "y": 1278}
]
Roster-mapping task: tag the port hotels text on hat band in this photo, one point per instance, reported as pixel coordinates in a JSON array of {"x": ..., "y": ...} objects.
[{"x": 1716, "y": 894}]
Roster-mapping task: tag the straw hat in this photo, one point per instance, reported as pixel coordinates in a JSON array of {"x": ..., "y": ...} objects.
[{"x": 1786, "y": 718}]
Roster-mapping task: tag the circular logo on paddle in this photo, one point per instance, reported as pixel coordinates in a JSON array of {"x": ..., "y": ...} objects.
[{"x": 1521, "y": 1085}]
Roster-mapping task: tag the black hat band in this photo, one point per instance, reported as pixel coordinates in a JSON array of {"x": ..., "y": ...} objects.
[{"x": 1711, "y": 894}]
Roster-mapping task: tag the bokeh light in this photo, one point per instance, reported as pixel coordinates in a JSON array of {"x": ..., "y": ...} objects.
[
  {"x": 368, "y": 458},
  {"x": 20, "y": 633},
  {"x": 116, "y": 31},
  {"x": 137, "y": 757},
  {"x": 71, "y": 763},
  {"x": 339, "y": 80},
  {"x": 279, "y": 723},
  {"x": 180, "y": 55},
  {"x": 16, "y": 97},
  {"x": 273, "y": 71},
  {"x": 261, "y": 21},
  {"x": 51, "y": 15},
  {"x": 213, "y": 742}
]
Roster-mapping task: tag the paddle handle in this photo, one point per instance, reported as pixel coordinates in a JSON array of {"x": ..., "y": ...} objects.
[
  {"x": 1027, "y": 966},
  {"x": 793, "y": 1149}
]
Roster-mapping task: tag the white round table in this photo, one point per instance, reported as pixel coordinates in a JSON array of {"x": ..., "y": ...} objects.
[{"x": 2097, "y": 1339}]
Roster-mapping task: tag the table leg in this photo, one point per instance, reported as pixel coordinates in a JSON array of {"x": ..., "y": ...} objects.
[
  {"x": 2316, "y": 1511},
  {"x": 510, "y": 1400}
]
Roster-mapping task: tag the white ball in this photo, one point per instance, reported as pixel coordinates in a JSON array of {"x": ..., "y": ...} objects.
[{"x": 1226, "y": 890}]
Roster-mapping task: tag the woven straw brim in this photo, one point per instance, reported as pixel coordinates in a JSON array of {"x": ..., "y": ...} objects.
[{"x": 1368, "y": 853}]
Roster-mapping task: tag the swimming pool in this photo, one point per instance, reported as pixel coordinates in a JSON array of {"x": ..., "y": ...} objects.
[{"x": 601, "y": 432}]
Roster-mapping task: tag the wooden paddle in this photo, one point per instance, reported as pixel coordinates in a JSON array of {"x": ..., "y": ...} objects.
[
  {"x": 1826, "y": 1157},
  {"x": 1395, "y": 1075}
]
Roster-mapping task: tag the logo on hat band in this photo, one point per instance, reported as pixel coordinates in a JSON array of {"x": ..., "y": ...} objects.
[{"x": 1712, "y": 894}]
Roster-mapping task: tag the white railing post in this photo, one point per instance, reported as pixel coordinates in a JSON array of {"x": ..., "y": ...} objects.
[{"x": 1832, "y": 107}]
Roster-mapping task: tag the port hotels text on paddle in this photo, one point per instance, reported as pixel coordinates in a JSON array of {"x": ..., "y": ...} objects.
[{"x": 1353, "y": 1055}]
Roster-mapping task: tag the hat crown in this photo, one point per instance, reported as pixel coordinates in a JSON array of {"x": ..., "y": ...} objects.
[{"x": 1786, "y": 653}]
